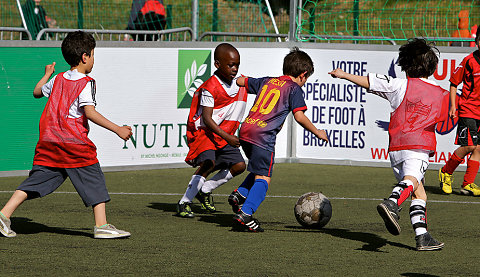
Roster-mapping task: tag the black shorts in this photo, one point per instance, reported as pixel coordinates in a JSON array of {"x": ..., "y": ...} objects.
[
  {"x": 260, "y": 161},
  {"x": 225, "y": 157},
  {"x": 88, "y": 181},
  {"x": 467, "y": 131}
]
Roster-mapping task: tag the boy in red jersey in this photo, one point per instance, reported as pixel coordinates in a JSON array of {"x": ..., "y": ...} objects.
[
  {"x": 215, "y": 113},
  {"x": 468, "y": 73},
  {"x": 63, "y": 149},
  {"x": 417, "y": 105},
  {"x": 276, "y": 98}
]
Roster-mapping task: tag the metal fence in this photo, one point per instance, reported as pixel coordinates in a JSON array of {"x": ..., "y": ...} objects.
[{"x": 319, "y": 21}]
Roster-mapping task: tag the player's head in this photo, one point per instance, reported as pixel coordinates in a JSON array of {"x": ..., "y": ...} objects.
[
  {"x": 296, "y": 63},
  {"x": 418, "y": 58},
  {"x": 227, "y": 61},
  {"x": 75, "y": 46}
]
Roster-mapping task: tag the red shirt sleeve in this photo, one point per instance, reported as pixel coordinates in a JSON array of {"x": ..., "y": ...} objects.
[{"x": 457, "y": 75}]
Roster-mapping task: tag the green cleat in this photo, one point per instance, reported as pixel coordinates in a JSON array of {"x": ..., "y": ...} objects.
[
  {"x": 184, "y": 210},
  {"x": 206, "y": 200}
]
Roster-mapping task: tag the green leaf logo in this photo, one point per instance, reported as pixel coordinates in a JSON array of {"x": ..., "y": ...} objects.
[{"x": 190, "y": 75}]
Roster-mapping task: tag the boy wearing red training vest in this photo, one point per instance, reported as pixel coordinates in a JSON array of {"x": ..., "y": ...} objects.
[
  {"x": 63, "y": 149},
  {"x": 468, "y": 73},
  {"x": 215, "y": 113},
  {"x": 417, "y": 105}
]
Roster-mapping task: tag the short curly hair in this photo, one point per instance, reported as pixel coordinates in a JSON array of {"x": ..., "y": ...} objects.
[{"x": 418, "y": 58}]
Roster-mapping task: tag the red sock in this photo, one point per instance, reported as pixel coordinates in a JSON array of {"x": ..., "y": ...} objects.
[
  {"x": 405, "y": 194},
  {"x": 472, "y": 169},
  {"x": 452, "y": 164}
]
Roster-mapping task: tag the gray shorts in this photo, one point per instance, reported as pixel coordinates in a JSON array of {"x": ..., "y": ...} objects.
[{"x": 88, "y": 181}]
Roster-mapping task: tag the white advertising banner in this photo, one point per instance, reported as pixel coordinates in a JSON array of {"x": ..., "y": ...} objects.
[
  {"x": 150, "y": 90},
  {"x": 356, "y": 121}
]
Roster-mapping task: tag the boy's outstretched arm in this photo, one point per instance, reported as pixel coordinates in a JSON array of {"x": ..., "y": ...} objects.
[
  {"x": 207, "y": 119},
  {"x": 453, "y": 107},
  {"x": 124, "y": 132},
  {"x": 359, "y": 80},
  {"x": 303, "y": 120},
  {"x": 49, "y": 70}
]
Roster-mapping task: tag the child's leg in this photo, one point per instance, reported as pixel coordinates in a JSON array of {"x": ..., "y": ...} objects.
[
  {"x": 457, "y": 158},
  {"x": 247, "y": 184},
  {"x": 418, "y": 210},
  {"x": 40, "y": 182},
  {"x": 257, "y": 194},
  {"x": 223, "y": 176},
  {"x": 469, "y": 187},
  {"x": 100, "y": 214},
  {"x": 197, "y": 180},
  {"x": 16, "y": 200}
]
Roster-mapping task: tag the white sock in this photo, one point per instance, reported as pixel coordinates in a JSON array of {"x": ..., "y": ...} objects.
[
  {"x": 195, "y": 184},
  {"x": 219, "y": 179},
  {"x": 418, "y": 216}
]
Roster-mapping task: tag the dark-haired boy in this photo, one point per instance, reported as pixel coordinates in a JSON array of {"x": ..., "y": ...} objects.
[
  {"x": 215, "y": 113},
  {"x": 276, "y": 98},
  {"x": 63, "y": 149},
  {"x": 468, "y": 129},
  {"x": 417, "y": 105}
]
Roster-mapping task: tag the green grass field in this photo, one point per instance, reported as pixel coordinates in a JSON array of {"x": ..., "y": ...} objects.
[{"x": 55, "y": 233}]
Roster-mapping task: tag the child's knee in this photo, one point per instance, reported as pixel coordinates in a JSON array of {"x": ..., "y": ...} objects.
[{"x": 238, "y": 168}]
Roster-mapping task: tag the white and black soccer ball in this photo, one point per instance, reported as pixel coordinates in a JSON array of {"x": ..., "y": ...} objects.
[{"x": 313, "y": 210}]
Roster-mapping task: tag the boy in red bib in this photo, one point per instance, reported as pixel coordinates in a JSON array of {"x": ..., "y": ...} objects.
[
  {"x": 64, "y": 149},
  {"x": 215, "y": 113},
  {"x": 468, "y": 73},
  {"x": 417, "y": 105}
]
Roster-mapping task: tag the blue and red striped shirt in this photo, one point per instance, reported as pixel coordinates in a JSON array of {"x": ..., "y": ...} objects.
[{"x": 276, "y": 97}]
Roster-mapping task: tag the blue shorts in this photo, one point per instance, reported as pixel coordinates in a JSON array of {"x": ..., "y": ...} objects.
[
  {"x": 88, "y": 181},
  {"x": 260, "y": 161},
  {"x": 225, "y": 157}
]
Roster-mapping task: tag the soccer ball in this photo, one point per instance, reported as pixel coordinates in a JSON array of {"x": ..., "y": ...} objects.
[{"x": 313, "y": 210}]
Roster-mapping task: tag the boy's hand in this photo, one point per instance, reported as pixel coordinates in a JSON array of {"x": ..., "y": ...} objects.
[
  {"x": 233, "y": 140},
  {"x": 337, "y": 73},
  {"x": 452, "y": 112},
  {"x": 321, "y": 134},
  {"x": 124, "y": 132},
  {"x": 50, "y": 69}
]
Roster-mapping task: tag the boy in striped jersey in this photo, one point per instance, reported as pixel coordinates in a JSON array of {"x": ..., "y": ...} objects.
[{"x": 215, "y": 113}]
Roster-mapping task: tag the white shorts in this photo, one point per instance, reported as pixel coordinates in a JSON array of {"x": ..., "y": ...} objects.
[{"x": 411, "y": 167}]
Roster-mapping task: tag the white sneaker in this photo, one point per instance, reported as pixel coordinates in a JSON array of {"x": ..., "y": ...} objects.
[
  {"x": 5, "y": 227},
  {"x": 108, "y": 231}
]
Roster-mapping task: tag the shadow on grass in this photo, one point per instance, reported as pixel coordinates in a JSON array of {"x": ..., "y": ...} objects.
[
  {"x": 438, "y": 190},
  {"x": 219, "y": 218},
  {"x": 372, "y": 242},
  {"x": 22, "y": 225}
]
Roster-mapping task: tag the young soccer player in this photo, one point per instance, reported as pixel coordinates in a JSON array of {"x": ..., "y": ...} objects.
[
  {"x": 276, "y": 98},
  {"x": 215, "y": 113},
  {"x": 417, "y": 105},
  {"x": 468, "y": 73},
  {"x": 63, "y": 149}
]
